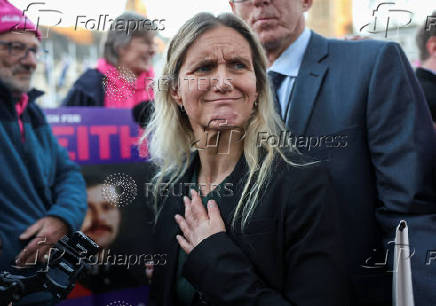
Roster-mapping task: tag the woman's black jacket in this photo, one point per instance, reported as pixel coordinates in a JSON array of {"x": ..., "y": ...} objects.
[{"x": 289, "y": 254}]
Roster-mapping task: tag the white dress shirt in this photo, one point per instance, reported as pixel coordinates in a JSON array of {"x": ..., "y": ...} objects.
[{"x": 288, "y": 64}]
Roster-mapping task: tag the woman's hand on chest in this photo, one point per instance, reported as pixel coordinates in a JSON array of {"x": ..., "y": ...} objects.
[{"x": 198, "y": 224}]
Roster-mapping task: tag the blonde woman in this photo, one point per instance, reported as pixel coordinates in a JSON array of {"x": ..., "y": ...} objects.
[{"x": 239, "y": 222}]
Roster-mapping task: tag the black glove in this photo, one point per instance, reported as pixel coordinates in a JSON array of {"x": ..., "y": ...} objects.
[{"x": 142, "y": 112}]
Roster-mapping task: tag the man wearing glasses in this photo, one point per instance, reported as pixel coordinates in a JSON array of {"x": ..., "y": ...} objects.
[
  {"x": 42, "y": 192},
  {"x": 363, "y": 93}
]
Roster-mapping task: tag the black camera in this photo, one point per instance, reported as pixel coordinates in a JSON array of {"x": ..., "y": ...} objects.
[{"x": 64, "y": 266}]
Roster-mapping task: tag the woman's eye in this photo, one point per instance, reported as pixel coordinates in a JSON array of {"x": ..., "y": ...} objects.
[
  {"x": 238, "y": 65},
  {"x": 204, "y": 68}
]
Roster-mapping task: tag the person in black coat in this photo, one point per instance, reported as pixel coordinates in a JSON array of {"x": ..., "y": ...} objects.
[
  {"x": 123, "y": 77},
  {"x": 426, "y": 74},
  {"x": 240, "y": 221}
]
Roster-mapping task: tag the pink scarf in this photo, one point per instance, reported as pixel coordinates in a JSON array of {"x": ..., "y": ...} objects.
[
  {"x": 124, "y": 90},
  {"x": 20, "y": 106}
]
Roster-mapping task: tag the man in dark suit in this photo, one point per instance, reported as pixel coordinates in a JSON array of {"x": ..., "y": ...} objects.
[
  {"x": 426, "y": 74},
  {"x": 357, "y": 104}
]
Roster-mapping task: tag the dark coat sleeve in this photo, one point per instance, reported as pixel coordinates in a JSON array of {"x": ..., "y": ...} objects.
[
  {"x": 402, "y": 143},
  {"x": 312, "y": 247},
  {"x": 69, "y": 190}
]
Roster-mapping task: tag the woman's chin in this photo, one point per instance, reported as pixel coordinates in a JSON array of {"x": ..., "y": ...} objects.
[
  {"x": 224, "y": 121},
  {"x": 140, "y": 69}
]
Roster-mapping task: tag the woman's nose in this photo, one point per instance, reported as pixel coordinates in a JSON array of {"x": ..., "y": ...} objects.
[{"x": 222, "y": 80}]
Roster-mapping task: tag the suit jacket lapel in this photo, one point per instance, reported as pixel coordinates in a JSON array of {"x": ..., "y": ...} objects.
[{"x": 308, "y": 84}]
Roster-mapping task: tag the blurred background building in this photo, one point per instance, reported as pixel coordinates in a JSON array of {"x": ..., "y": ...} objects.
[
  {"x": 73, "y": 30},
  {"x": 331, "y": 18},
  {"x": 394, "y": 20}
]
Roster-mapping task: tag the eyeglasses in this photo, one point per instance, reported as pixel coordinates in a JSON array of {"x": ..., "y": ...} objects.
[
  {"x": 20, "y": 50},
  {"x": 241, "y": 1}
]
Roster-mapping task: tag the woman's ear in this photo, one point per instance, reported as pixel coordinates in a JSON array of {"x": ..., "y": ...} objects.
[{"x": 174, "y": 91}]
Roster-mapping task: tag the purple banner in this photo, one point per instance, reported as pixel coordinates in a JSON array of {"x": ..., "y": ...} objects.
[{"x": 96, "y": 135}]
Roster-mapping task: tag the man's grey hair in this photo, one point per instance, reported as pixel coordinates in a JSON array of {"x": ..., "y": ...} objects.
[
  {"x": 425, "y": 32},
  {"x": 123, "y": 29}
]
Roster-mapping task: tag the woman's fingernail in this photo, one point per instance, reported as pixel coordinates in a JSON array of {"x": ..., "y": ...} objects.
[{"x": 210, "y": 203}]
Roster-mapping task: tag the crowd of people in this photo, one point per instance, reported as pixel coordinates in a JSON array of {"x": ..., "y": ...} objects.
[{"x": 299, "y": 225}]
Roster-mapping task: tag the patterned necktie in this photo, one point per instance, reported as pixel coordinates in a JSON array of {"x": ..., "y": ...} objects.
[{"x": 276, "y": 79}]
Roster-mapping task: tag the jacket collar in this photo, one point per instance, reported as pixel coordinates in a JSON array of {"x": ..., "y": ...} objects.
[
  {"x": 33, "y": 94},
  {"x": 308, "y": 83},
  {"x": 6, "y": 94},
  {"x": 295, "y": 51}
]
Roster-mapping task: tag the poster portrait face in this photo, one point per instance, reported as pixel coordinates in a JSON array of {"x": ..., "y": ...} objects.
[{"x": 102, "y": 219}]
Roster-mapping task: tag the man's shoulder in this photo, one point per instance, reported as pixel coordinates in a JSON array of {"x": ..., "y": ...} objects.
[
  {"x": 342, "y": 46},
  {"x": 362, "y": 43}
]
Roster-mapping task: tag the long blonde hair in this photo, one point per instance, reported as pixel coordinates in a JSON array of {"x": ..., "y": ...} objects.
[{"x": 170, "y": 136}]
